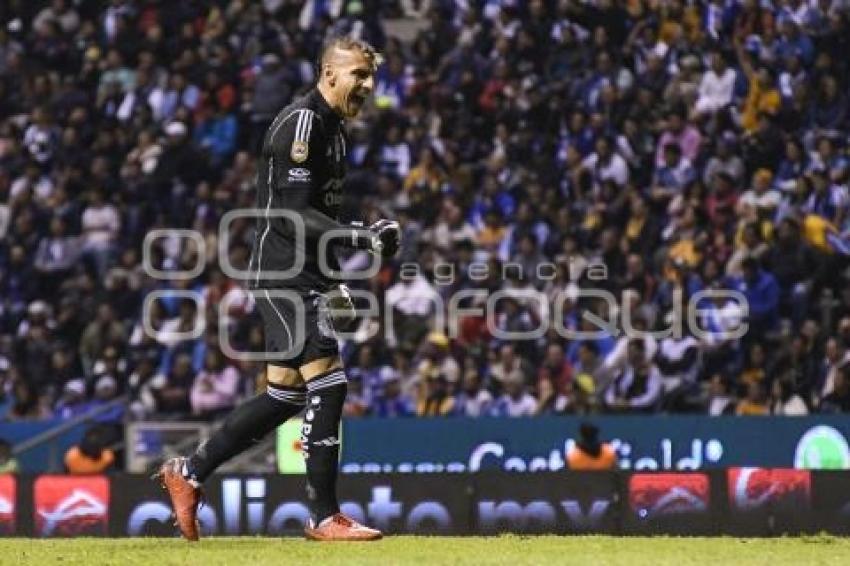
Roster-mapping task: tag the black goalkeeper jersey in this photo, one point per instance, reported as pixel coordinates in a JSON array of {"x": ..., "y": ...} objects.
[{"x": 301, "y": 171}]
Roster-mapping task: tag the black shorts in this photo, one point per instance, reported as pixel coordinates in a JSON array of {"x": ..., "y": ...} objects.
[{"x": 299, "y": 337}]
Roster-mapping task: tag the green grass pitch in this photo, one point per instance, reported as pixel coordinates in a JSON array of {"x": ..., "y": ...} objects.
[{"x": 513, "y": 550}]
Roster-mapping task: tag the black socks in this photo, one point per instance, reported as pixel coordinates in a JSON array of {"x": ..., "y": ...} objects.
[
  {"x": 246, "y": 426},
  {"x": 320, "y": 441},
  {"x": 254, "y": 419}
]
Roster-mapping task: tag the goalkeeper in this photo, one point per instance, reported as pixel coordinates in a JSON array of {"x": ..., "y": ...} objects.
[{"x": 301, "y": 171}]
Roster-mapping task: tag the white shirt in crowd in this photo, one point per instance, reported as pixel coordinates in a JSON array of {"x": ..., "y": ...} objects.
[
  {"x": 793, "y": 407},
  {"x": 412, "y": 297},
  {"x": 476, "y": 405},
  {"x": 100, "y": 226},
  {"x": 715, "y": 91},
  {"x": 767, "y": 199},
  {"x": 621, "y": 385},
  {"x": 507, "y": 406},
  {"x": 617, "y": 358},
  {"x": 397, "y": 157},
  {"x": 616, "y": 169}
]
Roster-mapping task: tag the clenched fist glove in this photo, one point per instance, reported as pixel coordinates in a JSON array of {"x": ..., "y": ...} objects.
[
  {"x": 341, "y": 307},
  {"x": 388, "y": 233},
  {"x": 381, "y": 238}
]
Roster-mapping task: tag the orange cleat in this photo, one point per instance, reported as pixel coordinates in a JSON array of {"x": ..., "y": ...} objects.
[
  {"x": 185, "y": 498},
  {"x": 340, "y": 527}
]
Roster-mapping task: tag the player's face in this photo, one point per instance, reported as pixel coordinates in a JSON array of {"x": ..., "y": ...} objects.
[{"x": 355, "y": 81}]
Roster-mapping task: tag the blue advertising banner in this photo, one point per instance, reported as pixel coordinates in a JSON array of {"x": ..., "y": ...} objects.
[
  {"x": 48, "y": 456},
  {"x": 642, "y": 443}
]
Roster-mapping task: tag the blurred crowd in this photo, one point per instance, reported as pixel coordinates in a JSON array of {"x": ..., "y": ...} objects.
[{"x": 652, "y": 150}]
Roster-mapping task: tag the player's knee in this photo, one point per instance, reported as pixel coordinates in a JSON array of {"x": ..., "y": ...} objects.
[
  {"x": 283, "y": 377},
  {"x": 319, "y": 367}
]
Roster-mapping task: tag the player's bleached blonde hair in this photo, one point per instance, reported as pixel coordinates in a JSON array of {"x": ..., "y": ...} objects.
[{"x": 348, "y": 43}]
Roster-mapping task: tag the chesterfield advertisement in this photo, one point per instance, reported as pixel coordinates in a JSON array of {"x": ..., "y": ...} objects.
[
  {"x": 643, "y": 443},
  {"x": 663, "y": 443},
  {"x": 753, "y": 501}
]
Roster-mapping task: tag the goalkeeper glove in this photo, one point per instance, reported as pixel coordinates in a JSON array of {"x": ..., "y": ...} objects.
[
  {"x": 381, "y": 238},
  {"x": 389, "y": 234}
]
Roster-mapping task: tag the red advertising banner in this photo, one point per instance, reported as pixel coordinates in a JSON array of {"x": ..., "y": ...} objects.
[
  {"x": 8, "y": 504},
  {"x": 754, "y": 489},
  {"x": 71, "y": 505},
  {"x": 653, "y": 495}
]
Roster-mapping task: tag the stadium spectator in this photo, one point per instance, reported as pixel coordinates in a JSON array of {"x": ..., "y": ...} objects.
[
  {"x": 755, "y": 368},
  {"x": 555, "y": 368},
  {"x": 217, "y": 133},
  {"x": 73, "y": 402},
  {"x": 551, "y": 401},
  {"x": 8, "y": 463},
  {"x": 367, "y": 371},
  {"x": 588, "y": 453},
  {"x": 391, "y": 402},
  {"x": 26, "y": 403},
  {"x": 56, "y": 255},
  {"x": 5, "y": 387},
  {"x": 272, "y": 90},
  {"x": 435, "y": 399},
  {"x": 355, "y": 401},
  {"x": 785, "y": 402},
  {"x": 839, "y": 400},
  {"x": 590, "y": 375},
  {"x": 754, "y": 403},
  {"x": 716, "y": 87},
  {"x": 215, "y": 388},
  {"x": 140, "y": 384},
  {"x": 639, "y": 385},
  {"x": 91, "y": 456},
  {"x": 720, "y": 401},
  {"x": 100, "y": 225},
  {"x": 437, "y": 359},
  {"x": 411, "y": 301},
  {"x": 97, "y": 335},
  {"x": 506, "y": 364},
  {"x": 680, "y": 141},
  {"x": 171, "y": 392},
  {"x": 473, "y": 400},
  {"x": 836, "y": 356},
  {"x": 762, "y": 293},
  {"x": 678, "y": 361},
  {"x": 516, "y": 401}
]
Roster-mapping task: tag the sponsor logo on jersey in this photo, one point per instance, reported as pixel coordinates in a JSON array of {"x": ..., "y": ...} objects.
[
  {"x": 299, "y": 174},
  {"x": 332, "y": 192},
  {"x": 333, "y": 199},
  {"x": 299, "y": 151},
  {"x": 71, "y": 505}
]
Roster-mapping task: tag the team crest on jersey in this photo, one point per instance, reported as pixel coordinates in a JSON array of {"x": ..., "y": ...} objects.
[{"x": 299, "y": 151}]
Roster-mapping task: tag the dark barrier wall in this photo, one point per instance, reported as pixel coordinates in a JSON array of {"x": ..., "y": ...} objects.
[
  {"x": 642, "y": 443},
  {"x": 739, "y": 501}
]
